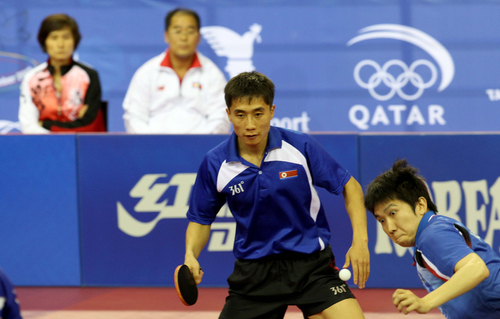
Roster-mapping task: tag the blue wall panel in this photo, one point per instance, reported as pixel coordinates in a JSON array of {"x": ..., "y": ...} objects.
[
  {"x": 39, "y": 241},
  {"x": 131, "y": 193},
  {"x": 110, "y": 168}
]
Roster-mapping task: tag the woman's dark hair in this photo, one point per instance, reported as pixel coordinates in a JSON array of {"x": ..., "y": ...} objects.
[{"x": 57, "y": 22}]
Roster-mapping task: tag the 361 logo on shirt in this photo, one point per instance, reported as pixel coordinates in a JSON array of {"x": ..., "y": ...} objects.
[{"x": 236, "y": 189}]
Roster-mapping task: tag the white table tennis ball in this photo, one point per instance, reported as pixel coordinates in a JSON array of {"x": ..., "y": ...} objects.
[{"x": 345, "y": 274}]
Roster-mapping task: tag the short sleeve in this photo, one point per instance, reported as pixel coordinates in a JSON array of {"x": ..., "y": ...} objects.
[
  {"x": 442, "y": 247},
  {"x": 205, "y": 201},
  {"x": 325, "y": 170}
]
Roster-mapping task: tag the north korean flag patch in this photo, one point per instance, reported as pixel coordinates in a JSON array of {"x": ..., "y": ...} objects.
[{"x": 288, "y": 174}]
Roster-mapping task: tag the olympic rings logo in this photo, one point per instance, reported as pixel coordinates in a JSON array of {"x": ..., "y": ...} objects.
[{"x": 396, "y": 84}]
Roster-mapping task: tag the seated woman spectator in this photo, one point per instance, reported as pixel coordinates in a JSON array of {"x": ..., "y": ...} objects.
[{"x": 60, "y": 95}]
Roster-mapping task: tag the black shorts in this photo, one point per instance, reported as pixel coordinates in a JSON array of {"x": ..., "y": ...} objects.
[{"x": 264, "y": 288}]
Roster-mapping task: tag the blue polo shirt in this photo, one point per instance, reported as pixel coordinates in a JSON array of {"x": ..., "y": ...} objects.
[
  {"x": 442, "y": 245},
  {"x": 9, "y": 307},
  {"x": 276, "y": 206}
]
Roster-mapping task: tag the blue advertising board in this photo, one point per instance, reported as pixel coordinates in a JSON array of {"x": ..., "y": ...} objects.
[
  {"x": 344, "y": 148},
  {"x": 463, "y": 177},
  {"x": 109, "y": 210},
  {"x": 134, "y": 198},
  {"x": 39, "y": 240},
  {"x": 349, "y": 66},
  {"x": 134, "y": 193}
]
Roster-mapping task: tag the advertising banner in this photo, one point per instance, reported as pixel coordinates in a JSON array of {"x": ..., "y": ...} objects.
[
  {"x": 110, "y": 210},
  {"x": 348, "y": 66},
  {"x": 134, "y": 198}
]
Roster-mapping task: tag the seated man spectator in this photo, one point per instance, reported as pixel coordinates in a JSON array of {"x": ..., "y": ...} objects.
[{"x": 179, "y": 91}]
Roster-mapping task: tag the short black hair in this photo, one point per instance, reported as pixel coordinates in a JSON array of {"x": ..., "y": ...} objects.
[
  {"x": 251, "y": 85},
  {"x": 170, "y": 15},
  {"x": 57, "y": 22},
  {"x": 401, "y": 182}
]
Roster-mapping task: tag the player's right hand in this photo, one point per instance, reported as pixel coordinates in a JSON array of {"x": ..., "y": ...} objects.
[
  {"x": 195, "y": 268},
  {"x": 359, "y": 256}
]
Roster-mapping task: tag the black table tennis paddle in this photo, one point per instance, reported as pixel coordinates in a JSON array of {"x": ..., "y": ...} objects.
[{"x": 185, "y": 285}]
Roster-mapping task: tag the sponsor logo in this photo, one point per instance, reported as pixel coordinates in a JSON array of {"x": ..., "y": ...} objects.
[
  {"x": 15, "y": 66},
  {"x": 382, "y": 76},
  {"x": 493, "y": 94},
  {"x": 237, "y": 48},
  {"x": 295, "y": 123},
  {"x": 339, "y": 289},
  {"x": 236, "y": 189},
  {"x": 223, "y": 231},
  {"x": 239, "y": 52},
  {"x": 149, "y": 190},
  {"x": 8, "y": 126},
  {"x": 395, "y": 78},
  {"x": 477, "y": 198},
  {"x": 288, "y": 174}
]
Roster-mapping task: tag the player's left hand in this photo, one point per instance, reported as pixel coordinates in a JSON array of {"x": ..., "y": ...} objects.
[
  {"x": 359, "y": 256},
  {"x": 406, "y": 301}
]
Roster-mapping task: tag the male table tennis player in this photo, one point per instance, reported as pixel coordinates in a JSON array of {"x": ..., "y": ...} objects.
[
  {"x": 459, "y": 270},
  {"x": 267, "y": 176}
]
